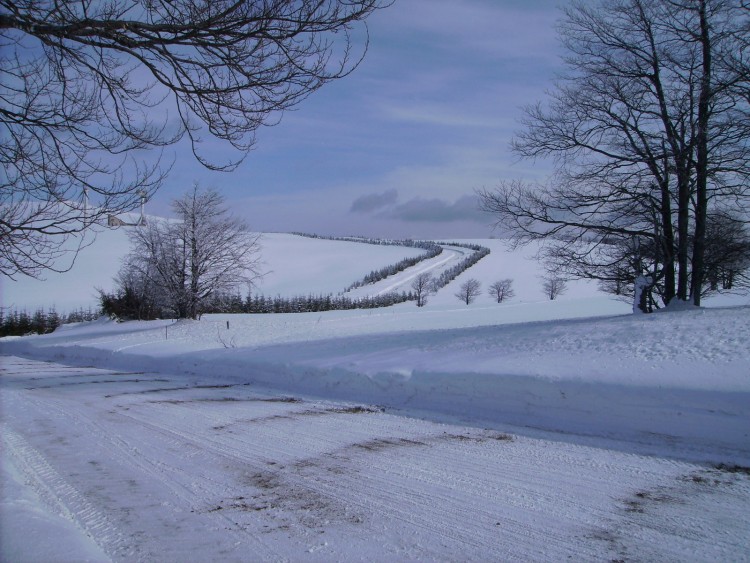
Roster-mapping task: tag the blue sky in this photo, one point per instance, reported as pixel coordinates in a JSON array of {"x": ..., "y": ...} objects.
[{"x": 397, "y": 148}]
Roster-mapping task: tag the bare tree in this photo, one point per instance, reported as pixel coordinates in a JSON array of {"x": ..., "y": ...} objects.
[
  {"x": 87, "y": 87},
  {"x": 502, "y": 290},
  {"x": 649, "y": 129},
  {"x": 554, "y": 286},
  {"x": 469, "y": 291},
  {"x": 423, "y": 286},
  {"x": 208, "y": 251}
]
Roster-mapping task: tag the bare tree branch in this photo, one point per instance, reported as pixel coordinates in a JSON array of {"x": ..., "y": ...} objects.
[
  {"x": 649, "y": 129},
  {"x": 88, "y": 89}
]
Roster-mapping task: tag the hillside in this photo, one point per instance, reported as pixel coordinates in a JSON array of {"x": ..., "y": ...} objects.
[
  {"x": 290, "y": 265},
  {"x": 296, "y": 265}
]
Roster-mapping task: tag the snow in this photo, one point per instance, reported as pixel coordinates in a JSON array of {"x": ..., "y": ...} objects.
[
  {"x": 527, "y": 430},
  {"x": 23, "y": 515}
]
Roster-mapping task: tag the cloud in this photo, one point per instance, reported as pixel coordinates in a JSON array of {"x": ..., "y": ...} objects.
[
  {"x": 419, "y": 209},
  {"x": 499, "y": 29},
  {"x": 437, "y": 210},
  {"x": 371, "y": 202},
  {"x": 384, "y": 206},
  {"x": 434, "y": 114}
]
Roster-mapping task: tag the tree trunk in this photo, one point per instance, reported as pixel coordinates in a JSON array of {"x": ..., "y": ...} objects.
[
  {"x": 683, "y": 229},
  {"x": 701, "y": 165},
  {"x": 666, "y": 242}
]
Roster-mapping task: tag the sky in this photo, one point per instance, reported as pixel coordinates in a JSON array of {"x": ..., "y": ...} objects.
[{"x": 398, "y": 147}]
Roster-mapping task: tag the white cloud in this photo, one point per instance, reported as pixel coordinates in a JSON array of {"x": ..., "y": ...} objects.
[
  {"x": 442, "y": 115},
  {"x": 466, "y": 208}
]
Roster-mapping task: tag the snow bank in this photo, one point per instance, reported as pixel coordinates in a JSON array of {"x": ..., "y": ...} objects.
[{"x": 679, "y": 381}]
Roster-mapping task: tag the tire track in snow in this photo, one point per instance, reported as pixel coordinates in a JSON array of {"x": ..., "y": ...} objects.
[
  {"x": 191, "y": 490},
  {"x": 60, "y": 496},
  {"x": 126, "y": 454},
  {"x": 294, "y": 480},
  {"x": 378, "y": 494},
  {"x": 415, "y": 490},
  {"x": 274, "y": 474},
  {"x": 254, "y": 466}
]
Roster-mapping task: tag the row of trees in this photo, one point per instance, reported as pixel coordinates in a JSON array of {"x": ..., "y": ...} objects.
[
  {"x": 21, "y": 323},
  {"x": 310, "y": 303},
  {"x": 256, "y": 304},
  {"x": 425, "y": 284},
  {"x": 447, "y": 276},
  {"x": 499, "y": 290},
  {"x": 374, "y": 276},
  {"x": 432, "y": 249},
  {"x": 197, "y": 263},
  {"x": 649, "y": 128}
]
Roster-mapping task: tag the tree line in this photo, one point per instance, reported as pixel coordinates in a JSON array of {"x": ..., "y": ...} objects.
[
  {"x": 381, "y": 274},
  {"x": 453, "y": 272},
  {"x": 260, "y": 304},
  {"x": 424, "y": 284},
  {"x": 20, "y": 323},
  {"x": 196, "y": 266},
  {"x": 127, "y": 307}
]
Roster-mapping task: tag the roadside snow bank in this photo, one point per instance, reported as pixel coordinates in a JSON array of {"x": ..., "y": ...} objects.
[{"x": 679, "y": 381}]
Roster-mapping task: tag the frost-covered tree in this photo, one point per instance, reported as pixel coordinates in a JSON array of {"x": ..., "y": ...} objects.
[
  {"x": 206, "y": 251},
  {"x": 469, "y": 291},
  {"x": 422, "y": 286},
  {"x": 501, "y": 290}
]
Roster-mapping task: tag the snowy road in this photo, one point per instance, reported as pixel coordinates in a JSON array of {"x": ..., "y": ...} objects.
[{"x": 176, "y": 468}]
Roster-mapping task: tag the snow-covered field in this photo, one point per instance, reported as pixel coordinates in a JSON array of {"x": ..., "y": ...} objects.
[
  {"x": 528, "y": 430},
  {"x": 290, "y": 265}
]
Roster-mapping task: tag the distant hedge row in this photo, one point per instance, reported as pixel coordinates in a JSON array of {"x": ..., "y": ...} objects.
[
  {"x": 452, "y": 273},
  {"x": 432, "y": 249},
  {"x": 278, "y": 304}
]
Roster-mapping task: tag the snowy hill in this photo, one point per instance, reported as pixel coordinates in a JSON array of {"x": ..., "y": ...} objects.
[
  {"x": 296, "y": 265},
  {"x": 291, "y": 265}
]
